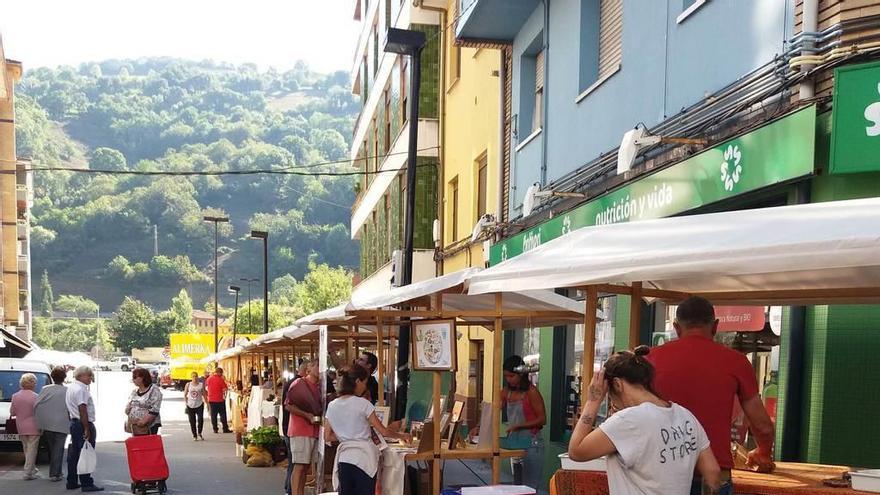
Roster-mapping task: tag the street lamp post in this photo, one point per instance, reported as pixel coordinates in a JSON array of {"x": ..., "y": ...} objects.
[
  {"x": 264, "y": 236},
  {"x": 217, "y": 221},
  {"x": 235, "y": 289},
  {"x": 250, "y": 315},
  {"x": 408, "y": 43}
]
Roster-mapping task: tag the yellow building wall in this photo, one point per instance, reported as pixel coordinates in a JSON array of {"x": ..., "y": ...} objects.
[
  {"x": 8, "y": 207},
  {"x": 471, "y": 131}
]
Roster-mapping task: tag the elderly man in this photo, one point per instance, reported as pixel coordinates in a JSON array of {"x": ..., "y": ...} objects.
[
  {"x": 217, "y": 389},
  {"x": 81, "y": 408},
  {"x": 704, "y": 377}
]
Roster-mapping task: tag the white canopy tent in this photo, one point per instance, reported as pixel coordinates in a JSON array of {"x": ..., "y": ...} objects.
[{"x": 787, "y": 254}]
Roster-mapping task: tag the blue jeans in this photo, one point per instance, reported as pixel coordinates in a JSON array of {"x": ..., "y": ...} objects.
[
  {"x": 287, "y": 488},
  {"x": 76, "y": 444}
]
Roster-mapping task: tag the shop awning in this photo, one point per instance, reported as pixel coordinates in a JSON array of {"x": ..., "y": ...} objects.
[
  {"x": 334, "y": 314},
  {"x": 814, "y": 252},
  {"x": 526, "y": 308}
]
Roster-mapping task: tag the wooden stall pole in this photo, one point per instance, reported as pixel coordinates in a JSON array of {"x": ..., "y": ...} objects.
[
  {"x": 591, "y": 303},
  {"x": 635, "y": 315},
  {"x": 274, "y": 372},
  {"x": 380, "y": 355},
  {"x": 496, "y": 391},
  {"x": 435, "y": 465}
]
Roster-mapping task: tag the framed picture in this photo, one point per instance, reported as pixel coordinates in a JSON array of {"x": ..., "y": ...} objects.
[
  {"x": 383, "y": 413},
  {"x": 434, "y": 345}
]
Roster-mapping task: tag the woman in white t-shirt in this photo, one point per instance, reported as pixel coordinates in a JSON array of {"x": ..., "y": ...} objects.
[
  {"x": 348, "y": 421},
  {"x": 196, "y": 395},
  {"x": 652, "y": 445}
]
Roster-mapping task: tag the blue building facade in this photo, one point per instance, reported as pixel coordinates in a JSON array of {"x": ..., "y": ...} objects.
[{"x": 609, "y": 65}]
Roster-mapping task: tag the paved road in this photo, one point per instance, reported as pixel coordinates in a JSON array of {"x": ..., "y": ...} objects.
[{"x": 196, "y": 467}]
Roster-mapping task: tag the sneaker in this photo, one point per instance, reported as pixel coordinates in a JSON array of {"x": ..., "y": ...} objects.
[
  {"x": 93, "y": 488},
  {"x": 227, "y": 431},
  {"x": 56, "y": 478},
  {"x": 195, "y": 438},
  {"x": 29, "y": 477},
  {"x": 201, "y": 438},
  {"x": 72, "y": 487}
]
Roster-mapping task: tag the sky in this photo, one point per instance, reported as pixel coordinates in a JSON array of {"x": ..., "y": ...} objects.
[{"x": 276, "y": 33}]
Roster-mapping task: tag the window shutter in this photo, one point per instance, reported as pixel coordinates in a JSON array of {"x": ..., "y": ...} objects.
[
  {"x": 539, "y": 71},
  {"x": 610, "y": 34}
]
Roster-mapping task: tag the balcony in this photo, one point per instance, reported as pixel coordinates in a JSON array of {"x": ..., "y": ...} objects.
[
  {"x": 424, "y": 267},
  {"x": 493, "y": 20},
  {"x": 23, "y": 230},
  {"x": 429, "y": 132},
  {"x": 24, "y": 197},
  {"x": 24, "y": 264}
]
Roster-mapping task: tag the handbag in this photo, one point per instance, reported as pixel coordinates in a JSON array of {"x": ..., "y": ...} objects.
[{"x": 11, "y": 426}]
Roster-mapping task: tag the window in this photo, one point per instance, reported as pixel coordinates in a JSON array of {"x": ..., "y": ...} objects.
[
  {"x": 538, "y": 112},
  {"x": 531, "y": 89},
  {"x": 482, "y": 184},
  {"x": 388, "y": 13},
  {"x": 453, "y": 70},
  {"x": 388, "y": 224},
  {"x": 388, "y": 118},
  {"x": 688, "y": 7},
  {"x": 600, "y": 41},
  {"x": 453, "y": 218},
  {"x": 375, "y": 49},
  {"x": 377, "y": 160},
  {"x": 404, "y": 93}
]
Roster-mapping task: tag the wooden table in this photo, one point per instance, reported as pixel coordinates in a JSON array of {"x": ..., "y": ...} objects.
[
  {"x": 464, "y": 454},
  {"x": 788, "y": 479}
]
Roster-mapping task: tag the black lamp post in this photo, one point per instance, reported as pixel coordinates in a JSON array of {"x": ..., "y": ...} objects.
[
  {"x": 408, "y": 42},
  {"x": 264, "y": 236},
  {"x": 217, "y": 221},
  {"x": 250, "y": 316},
  {"x": 234, "y": 289}
]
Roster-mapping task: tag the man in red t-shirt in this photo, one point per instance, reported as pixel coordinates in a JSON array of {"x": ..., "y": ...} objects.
[
  {"x": 704, "y": 377},
  {"x": 304, "y": 404},
  {"x": 217, "y": 388}
]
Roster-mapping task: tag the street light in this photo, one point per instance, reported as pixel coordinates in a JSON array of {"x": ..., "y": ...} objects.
[
  {"x": 264, "y": 236},
  {"x": 217, "y": 221},
  {"x": 411, "y": 43},
  {"x": 235, "y": 289},
  {"x": 250, "y": 317}
]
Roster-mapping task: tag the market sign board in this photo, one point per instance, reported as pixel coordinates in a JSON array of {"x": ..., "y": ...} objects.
[
  {"x": 740, "y": 318},
  {"x": 777, "y": 152},
  {"x": 855, "y": 130}
]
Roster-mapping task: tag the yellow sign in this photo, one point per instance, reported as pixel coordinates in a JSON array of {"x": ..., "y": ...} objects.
[{"x": 188, "y": 349}]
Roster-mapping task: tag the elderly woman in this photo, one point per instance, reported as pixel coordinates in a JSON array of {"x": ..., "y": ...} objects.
[
  {"x": 54, "y": 420},
  {"x": 22, "y": 408},
  {"x": 144, "y": 404}
]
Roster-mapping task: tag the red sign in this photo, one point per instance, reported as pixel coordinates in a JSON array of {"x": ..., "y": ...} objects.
[{"x": 740, "y": 318}]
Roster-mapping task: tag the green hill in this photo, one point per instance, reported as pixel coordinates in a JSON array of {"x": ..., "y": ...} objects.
[{"x": 93, "y": 233}]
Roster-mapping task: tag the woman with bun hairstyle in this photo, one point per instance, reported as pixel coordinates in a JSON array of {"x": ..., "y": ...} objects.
[
  {"x": 350, "y": 420},
  {"x": 653, "y": 446}
]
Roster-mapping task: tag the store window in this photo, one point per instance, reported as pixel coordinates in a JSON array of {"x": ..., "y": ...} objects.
[{"x": 574, "y": 345}]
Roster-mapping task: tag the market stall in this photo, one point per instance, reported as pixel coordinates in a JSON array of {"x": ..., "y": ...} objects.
[
  {"x": 821, "y": 253},
  {"x": 440, "y": 303}
]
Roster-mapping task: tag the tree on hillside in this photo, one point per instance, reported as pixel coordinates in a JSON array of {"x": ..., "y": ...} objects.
[
  {"x": 324, "y": 287},
  {"x": 78, "y": 305},
  {"x": 282, "y": 292},
  {"x": 137, "y": 326},
  {"x": 47, "y": 300},
  {"x": 107, "y": 159},
  {"x": 253, "y": 321},
  {"x": 181, "y": 309}
]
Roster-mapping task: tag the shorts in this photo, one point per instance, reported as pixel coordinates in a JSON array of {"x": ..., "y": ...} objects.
[{"x": 304, "y": 450}]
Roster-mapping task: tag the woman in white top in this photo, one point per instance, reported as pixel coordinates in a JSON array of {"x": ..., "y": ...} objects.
[
  {"x": 196, "y": 395},
  {"x": 652, "y": 445},
  {"x": 348, "y": 421}
]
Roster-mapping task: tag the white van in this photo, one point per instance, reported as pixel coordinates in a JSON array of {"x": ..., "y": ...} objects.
[{"x": 11, "y": 370}]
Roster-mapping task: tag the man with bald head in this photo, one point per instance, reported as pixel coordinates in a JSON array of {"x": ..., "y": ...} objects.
[{"x": 704, "y": 377}]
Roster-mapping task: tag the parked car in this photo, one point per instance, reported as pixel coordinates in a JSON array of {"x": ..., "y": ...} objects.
[
  {"x": 125, "y": 363},
  {"x": 11, "y": 370}
]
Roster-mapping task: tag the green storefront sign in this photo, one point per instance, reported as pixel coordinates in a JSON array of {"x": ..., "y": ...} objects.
[
  {"x": 855, "y": 131},
  {"x": 775, "y": 153}
]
